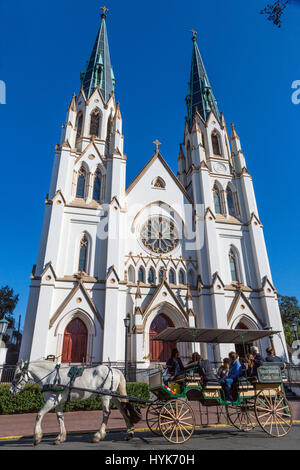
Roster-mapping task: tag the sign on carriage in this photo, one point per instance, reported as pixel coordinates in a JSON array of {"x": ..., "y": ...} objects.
[{"x": 269, "y": 374}]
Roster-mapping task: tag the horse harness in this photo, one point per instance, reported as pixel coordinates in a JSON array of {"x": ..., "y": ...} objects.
[{"x": 73, "y": 373}]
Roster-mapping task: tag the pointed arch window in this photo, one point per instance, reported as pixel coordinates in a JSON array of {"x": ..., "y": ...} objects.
[
  {"x": 172, "y": 277},
  {"x": 188, "y": 156},
  {"x": 161, "y": 275},
  {"x": 81, "y": 183},
  {"x": 109, "y": 127},
  {"x": 95, "y": 123},
  {"x": 233, "y": 267},
  {"x": 230, "y": 202},
  {"x": 181, "y": 277},
  {"x": 83, "y": 254},
  {"x": 131, "y": 274},
  {"x": 215, "y": 143},
  {"x": 151, "y": 276},
  {"x": 141, "y": 274},
  {"x": 217, "y": 200},
  {"x": 79, "y": 125},
  {"x": 97, "y": 186}
]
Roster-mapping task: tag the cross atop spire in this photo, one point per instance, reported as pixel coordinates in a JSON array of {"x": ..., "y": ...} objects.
[
  {"x": 200, "y": 94},
  {"x": 104, "y": 9},
  {"x": 194, "y": 38},
  {"x": 98, "y": 72}
]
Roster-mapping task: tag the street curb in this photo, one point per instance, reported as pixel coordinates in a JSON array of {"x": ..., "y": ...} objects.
[{"x": 116, "y": 430}]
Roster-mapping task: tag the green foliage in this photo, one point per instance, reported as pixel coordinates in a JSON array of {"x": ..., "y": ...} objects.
[
  {"x": 8, "y": 301},
  {"x": 290, "y": 313},
  {"x": 30, "y": 400},
  {"x": 274, "y": 11}
]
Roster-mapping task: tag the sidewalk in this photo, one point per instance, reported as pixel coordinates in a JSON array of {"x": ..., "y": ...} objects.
[{"x": 89, "y": 421}]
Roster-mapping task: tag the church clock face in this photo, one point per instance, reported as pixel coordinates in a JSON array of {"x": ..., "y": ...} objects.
[{"x": 159, "y": 235}]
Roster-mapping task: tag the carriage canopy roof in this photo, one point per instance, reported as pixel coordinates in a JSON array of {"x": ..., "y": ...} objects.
[{"x": 212, "y": 335}]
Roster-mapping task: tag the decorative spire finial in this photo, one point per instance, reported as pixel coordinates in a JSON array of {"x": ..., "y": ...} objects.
[
  {"x": 157, "y": 143},
  {"x": 194, "y": 38},
  {"x": 104, "y": 9}
]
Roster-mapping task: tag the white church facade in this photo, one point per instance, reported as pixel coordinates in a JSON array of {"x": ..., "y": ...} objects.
[{"x": 185, "y": 250}]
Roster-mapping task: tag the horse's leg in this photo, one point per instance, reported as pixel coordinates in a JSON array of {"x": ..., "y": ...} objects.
[
  {"x": 100, "y": 435},
  {"x": 120, "y": 403},
  {"x": 60, "y": 418},
  {"x": 38, "y": 434}
]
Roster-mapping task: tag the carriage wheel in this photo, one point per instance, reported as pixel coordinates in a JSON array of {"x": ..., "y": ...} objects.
[
  {"x": 152, "y": 417},
  {"x": 177, "y": 421},
  {"x": 273, "y": 412},
  {"x": 242, "y": 416}
]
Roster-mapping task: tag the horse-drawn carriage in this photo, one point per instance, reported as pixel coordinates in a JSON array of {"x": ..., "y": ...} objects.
[{"x": 258, "y": 400}]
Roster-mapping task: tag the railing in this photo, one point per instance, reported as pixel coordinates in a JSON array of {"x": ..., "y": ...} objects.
[
  {"x": 7, "y": 373},
  {"x": 293, "y": 373}
]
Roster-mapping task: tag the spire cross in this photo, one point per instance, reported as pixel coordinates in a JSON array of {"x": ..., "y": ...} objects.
[
  {"x": 157, "y": 143},
  {"x": 194, "y": 33},
  {"x": 104, "y": 9}
]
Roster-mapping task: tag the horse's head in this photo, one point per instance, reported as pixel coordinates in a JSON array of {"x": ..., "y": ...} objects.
[{"x": 21, "y": 378}]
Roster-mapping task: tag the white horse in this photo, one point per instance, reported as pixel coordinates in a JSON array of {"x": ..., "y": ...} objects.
[{"x": 46, "y": 374}]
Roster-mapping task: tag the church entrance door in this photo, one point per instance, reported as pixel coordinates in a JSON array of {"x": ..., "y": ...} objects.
[
  {"x": 160, "y": 351},
  {"x": 75, "y": 342},
  {"x": 241, "y": 349}
]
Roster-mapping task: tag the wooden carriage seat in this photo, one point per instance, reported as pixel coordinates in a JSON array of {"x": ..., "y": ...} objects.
[{"x": 202, "y": 370}]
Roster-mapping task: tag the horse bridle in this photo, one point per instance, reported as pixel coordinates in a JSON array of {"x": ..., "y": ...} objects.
[{"x": 24, "y": 374}]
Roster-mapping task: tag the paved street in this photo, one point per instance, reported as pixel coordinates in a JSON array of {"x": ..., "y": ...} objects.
[{"x": 203, "y": 439}]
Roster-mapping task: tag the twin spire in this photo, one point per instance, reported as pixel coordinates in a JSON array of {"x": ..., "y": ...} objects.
[
  {"x": 99, "y": 73},
  {"x": 200, "y": 95}
]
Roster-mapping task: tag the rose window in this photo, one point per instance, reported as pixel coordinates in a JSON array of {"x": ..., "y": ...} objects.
[{"x": 159, "y": 234}]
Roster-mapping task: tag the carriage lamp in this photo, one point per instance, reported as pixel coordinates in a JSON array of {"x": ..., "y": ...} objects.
[{"x": 3, "y": 327}]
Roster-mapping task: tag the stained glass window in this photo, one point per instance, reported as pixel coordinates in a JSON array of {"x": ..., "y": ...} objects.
[
  {"x": 217, "y": 200},
  {"x": 230, "y": 202},
  {"x": 160, "y": 275},
  {"x": 233, "y": 267},
  {"x": 97, "y": 186},
  {"x": 151, "y": 276},
  {"x": 181, "y": 277},
  {"x": 159, "y": 234},
  {"x": 172, "y": 277},
  {"x": 81, "y": 183},
  {"x": 141, "y": 275},
  {"x": 83, "y": 254}
]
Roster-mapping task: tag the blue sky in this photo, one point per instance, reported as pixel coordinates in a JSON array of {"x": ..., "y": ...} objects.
[{"x": 251, "y": 65}]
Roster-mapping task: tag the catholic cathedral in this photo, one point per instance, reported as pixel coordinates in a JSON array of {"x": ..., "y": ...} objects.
[{"x": 185, "y": 250}]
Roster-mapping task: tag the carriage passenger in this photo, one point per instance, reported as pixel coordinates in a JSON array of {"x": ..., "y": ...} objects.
[
  {"x": 174, "y": 366},
  {"x": 223, "y": 370},
  {"x": 235, "y": 371}
]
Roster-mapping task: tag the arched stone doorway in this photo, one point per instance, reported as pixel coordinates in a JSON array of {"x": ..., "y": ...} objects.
[
  {"x": 75, "y": 342},
  {"x": 160, "y": 351}
]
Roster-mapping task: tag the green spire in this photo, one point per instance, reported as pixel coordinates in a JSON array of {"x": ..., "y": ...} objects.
[
  {"x": 200, "y": 93},
  {"x": 98, "y": 71}
]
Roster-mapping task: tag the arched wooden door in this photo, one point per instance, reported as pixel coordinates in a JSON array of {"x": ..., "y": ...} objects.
[
  {"x": 75, "y": 342},
  {"x": 241, "y": 349},
  {"x": 160, "y": 351}
]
